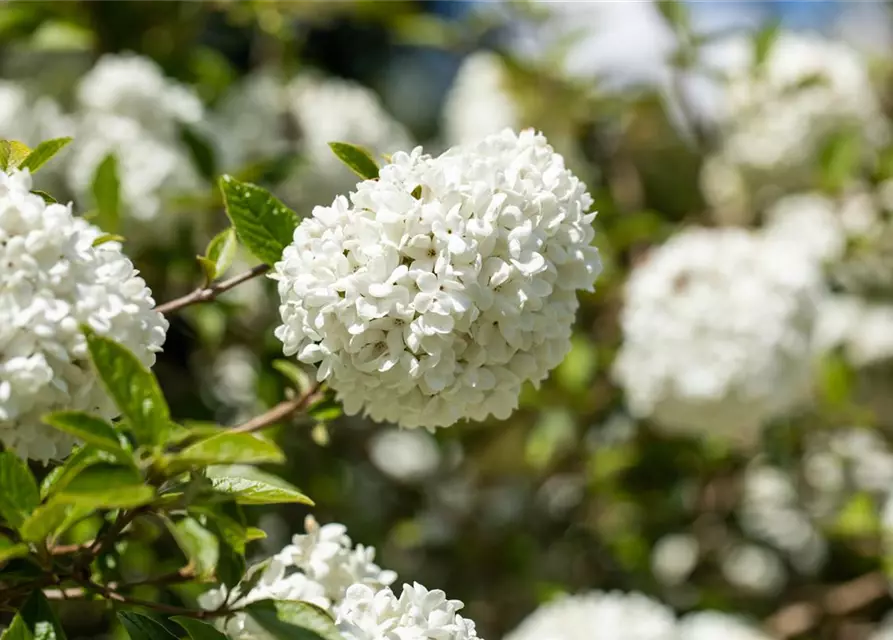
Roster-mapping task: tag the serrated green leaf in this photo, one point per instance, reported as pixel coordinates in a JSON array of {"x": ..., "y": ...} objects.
[
  {"x": 35, "y": 621},
  {"x": 107, "y": 486},
  {"x": 229, "y": 448},
  {"x": 42, "y": 153},
  {"x": 201, "y": 152},
  {"x": 249, "y": 485},
  {"x": 12, "y": 152},
  {"x": 140, "y": 627},
  {"x": 19, "y": 495},
  {"x": 219, "y": 255},
  {"x": 199, "y": 545},
  {"x": 108, "y": 237},
  {"x": 356, "y": 158},
  {"x": 88, "y": 428},
  {"x": 10, "y": 549},
  {"x": 263, "y": 224},
  {"x": 106, "y": 189},
  {"x": 197, "y": 629},
  {"x": 46, "y": 197},
  {"x": 52, "y": 519},
  {"x": 133, "y": 387},
  {"x": 288, "y": 620}
]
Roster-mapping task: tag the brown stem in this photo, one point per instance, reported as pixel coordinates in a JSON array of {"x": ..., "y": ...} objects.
[
  {"x": 281, "y": 411},
  {"x": 206, "y": 294},
  {"x": 799, "y": 617}
]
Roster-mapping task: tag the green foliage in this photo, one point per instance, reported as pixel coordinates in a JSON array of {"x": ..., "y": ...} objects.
[
  {"x": 46, "y": 197},
  {"x": 35, "y": 621},
  {"x": 12, "y": 153},
  {"x": 249, "y": 485},
  {"x": 263, "y": 224},
  {"x": 228, "y": 448},
  {"x": 133, "y": 387},
  {"x": 19, "y": 495},
  {"x": 42, "y": 153},
  {"x": 201, "y": 152},
  {"x": 88, "y": 428},
  {"x": 219, "y": 255},
  {"x": 10, "y": 549},
  {"x": 357, "y": 159},
  {"x": 140, "y": 627},
  {"x": 106, "y": 189},
  {"x": 293, "y": 620},
  {"x": 197, "y": 629}
]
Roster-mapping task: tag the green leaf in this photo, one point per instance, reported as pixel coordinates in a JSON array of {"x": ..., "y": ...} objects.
[
  {"x": 140, "y": 627},
  {"x": 249, "y": 485},
  {"x": 227, "y": 448},
  {"x": 106, "y": 486},
  {"x": 199, "y": 545},
  {"x": 35, "y": 621},
  {"x": 197, "y": 629},
  {"x": 356, "y": 158},
  {"x": 89, "y": 428},
  {"x": 19, "y": 495},
  {"x": 230, "y": 532},
  {"x": 133, "y": 387},
  {"x": 294, "y": 373},
  {"x": 10, "y": 549},
  {"x": 12, "y": 152},
  {"x": 43, "y": 153},
  {"x": 676, "y": 13},
  {"x": 83, "y": 457},
  {"x": 264, "y": 225},
  {"x": 108, "y": 237},
  {"x": 288, "y": 620},
  {"x": 107, "y": 194},
  {"x": 220, "y": 254},
  {"x": 253, "y": 533},
  {"x": 201, "y": 152},
  {"x": 764, "y": 40},
  {"x": 46, "y": 197},
  {"x": 839, "y": 160},
  {"x": 52, "y": 519}
]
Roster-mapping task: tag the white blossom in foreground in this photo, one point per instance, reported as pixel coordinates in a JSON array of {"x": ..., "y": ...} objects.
[
  {"x": 479, "y": 103},
  {"x": 774, "y": 118},
  {"x": 417, "y": 614},
  {"x": 712, "y": 625},
  {"x": 129, "y": 109},
  {"x": 607, "y": 616},
  {"x": 433, "y": 293},
  {"x": 717, "y": 332},
  {"x": 53, "y": 280},
  {"x": 325, "y": 110},
  {"x": 318, "y": 567}
]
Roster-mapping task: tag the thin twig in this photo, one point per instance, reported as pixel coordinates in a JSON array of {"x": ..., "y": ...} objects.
[
  {"x": 281, "y": 411},
  {"x": 799, "y": 617},
  {"x": 205, "y": 294},
  {"x": 114, "y": 596}
]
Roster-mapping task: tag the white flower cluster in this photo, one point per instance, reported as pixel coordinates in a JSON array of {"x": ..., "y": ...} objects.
[
  {"x": 417, "y": 614},
  {"x": 433, "y": 293},
  {"x": 717, "y": 332},
  {"x": 775, "y": 116},
  {"x": 127, "y": 107},
  {"x": 328, "y": 110},
  {"x": 325, "y": 569},
  {"x": 53, "y": 280},
  {"x": 480, "y": 102},
  {"x": 626, "y": 616}
]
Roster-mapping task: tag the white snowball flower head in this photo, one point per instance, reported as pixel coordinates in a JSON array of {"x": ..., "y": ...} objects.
[
  {"x": 417, "y": 614},
  {"x": 433, "y": 293},
  {"x": 604, "y": 615},
  {"x": 717, "y": 332},
  {"x": 318, "y": 567},
  {"x": 53, "y": 280}
]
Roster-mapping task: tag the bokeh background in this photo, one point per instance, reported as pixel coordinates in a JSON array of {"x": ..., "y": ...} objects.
[{"x": 574, "y": 492}]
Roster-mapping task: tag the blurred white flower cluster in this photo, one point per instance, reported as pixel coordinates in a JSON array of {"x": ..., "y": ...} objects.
[
  {"x": 53, "y": 280},
  {"x": 127, "y": 107},
  {"x": 324, "y": 568},
  {"x": 626, "y": 616},
  {"x": 433, "y": 293},
  {"x": 717, "y": 330},
  {"x": 775, "y": 115},
  {"x": 479, "y": 102}
]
